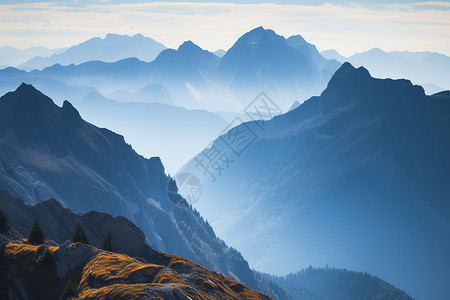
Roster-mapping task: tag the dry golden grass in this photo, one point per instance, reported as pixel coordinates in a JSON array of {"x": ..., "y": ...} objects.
[{"x": 110, "y": 275}]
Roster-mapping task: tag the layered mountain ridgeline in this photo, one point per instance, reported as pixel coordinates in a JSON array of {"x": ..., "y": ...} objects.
[
  {"x": 112, "y": 48},
  {"x": 196, "y": 78},
  {"x": 337, "y": 284},
  {"x": 48, "y": 151},
  {"x": 188, "y": 77},
  {"x": 355, "y": 178},
  {"x": 11, "y": 57},
  {"x": 429, "y": 69},
  {"x": 79, "y": 271}
]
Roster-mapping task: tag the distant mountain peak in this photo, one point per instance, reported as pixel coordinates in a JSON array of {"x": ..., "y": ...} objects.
[
  {"x": 188, "y": 46},
  {"x": 347, "y": 70},
  {"x": 259, "y": 33},
  {"x": 297, "y": 39}
]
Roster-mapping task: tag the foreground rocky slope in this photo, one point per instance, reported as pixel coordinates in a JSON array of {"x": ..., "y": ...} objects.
[{"x": 79, "y": 271}]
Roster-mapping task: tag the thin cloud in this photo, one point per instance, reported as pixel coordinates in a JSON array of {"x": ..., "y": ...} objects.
[{"x": 347, "y": 29}]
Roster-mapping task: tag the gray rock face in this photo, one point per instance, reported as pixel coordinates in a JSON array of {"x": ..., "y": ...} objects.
[
  {"x": 70, "y": 256},
  {"x": 11, "y": 236},
  {"x": 167, "y": 291},
  {"x": 59, "y": 223}
]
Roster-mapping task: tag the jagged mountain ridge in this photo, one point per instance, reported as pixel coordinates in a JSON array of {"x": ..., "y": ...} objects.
[
  {"x": 428, "y": 69},
  {"x": 354, "y": 178}
]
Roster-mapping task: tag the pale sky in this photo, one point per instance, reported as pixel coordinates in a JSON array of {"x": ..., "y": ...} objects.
[{"x": 346, "y": 26}]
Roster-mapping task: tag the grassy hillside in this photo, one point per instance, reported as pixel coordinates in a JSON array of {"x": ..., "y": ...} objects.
[{"x": 35, "y": 272}]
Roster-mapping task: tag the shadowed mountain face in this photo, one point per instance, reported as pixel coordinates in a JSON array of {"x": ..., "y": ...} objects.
[
  {"x": 113, "y": 47},
  {"x": 59, "y": 224},
  {"x": 48, "y": 151},
  {"x": 355, "y": 178}
]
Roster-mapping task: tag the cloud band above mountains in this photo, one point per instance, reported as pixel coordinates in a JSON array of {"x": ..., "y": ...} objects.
[{"x": 346, "y": 28}]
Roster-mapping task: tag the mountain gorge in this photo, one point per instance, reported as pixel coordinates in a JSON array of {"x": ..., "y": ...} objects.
[{"x": 356, "y": 177}]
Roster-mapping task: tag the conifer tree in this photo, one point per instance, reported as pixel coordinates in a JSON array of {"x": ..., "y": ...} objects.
[
  {"x": 80, "y": 236},
  {"x": 37, "y": 235},
  {"x": 107, "y": 242}
]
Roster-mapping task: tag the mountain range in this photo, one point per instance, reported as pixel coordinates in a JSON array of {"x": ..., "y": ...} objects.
[
  {"x": 194, "y": 78},
  {"x": 429, "y": 69},
  {"x": 12, "y": 57},
  {"x": 354, "y": 178},
  {"x": 188, "y": 77},
  {"x": 112, "y": 48}
]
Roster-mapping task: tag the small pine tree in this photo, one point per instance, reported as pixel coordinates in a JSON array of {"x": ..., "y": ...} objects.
[
  {"x": 37, "y": 235},
  {"x": 80, "y": 236},
  {"x": 107, "y": 242},
  {"x": 4, "y": 222}
]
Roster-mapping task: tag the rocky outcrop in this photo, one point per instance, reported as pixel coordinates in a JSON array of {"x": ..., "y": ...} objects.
[
  {"x": 84, "y": 272},
  {"x": 71, "y": 256},
  {"x": 59, "y": 222}
]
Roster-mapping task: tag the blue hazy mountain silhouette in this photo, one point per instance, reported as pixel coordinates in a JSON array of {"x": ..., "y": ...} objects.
[
  {"x": 355, "y": 178},
  {"x": 11, "y": 57},
  {"x": 333, "y": 54},
  {"x": 429, "y": 69},
  {"x": 155, "y": 128},
  {"x": 262, "y": 60},
  {"x": 112, "y": 48},
  {"x": 259, "y": 61},
  {"x": 220, "y": 52},
  {"x": 326, "y": 66}
]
